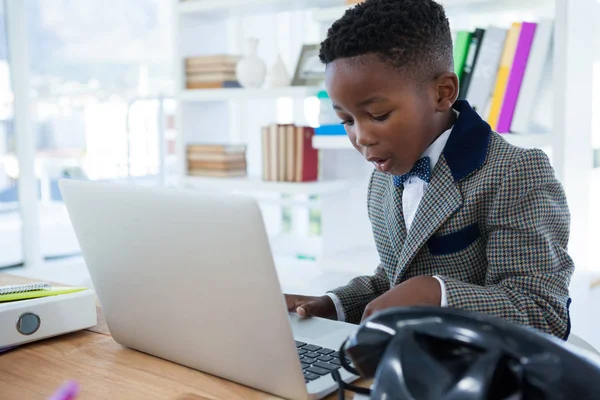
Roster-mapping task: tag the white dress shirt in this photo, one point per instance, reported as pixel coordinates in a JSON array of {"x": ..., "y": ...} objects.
[{"x": 414, "y": 190}]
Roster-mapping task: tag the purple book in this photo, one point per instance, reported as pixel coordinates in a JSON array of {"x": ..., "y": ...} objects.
[
  {"x": 4, "y": 349},
  {"x": 516, "y": 76}
]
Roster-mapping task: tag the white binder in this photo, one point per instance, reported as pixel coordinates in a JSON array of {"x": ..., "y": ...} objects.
[{"x": 25, "y": 321}]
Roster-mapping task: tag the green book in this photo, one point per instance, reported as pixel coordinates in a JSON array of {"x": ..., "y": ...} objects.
[
  {"x": 461, "y": 50},
  {"x": 33, "y": 291}
]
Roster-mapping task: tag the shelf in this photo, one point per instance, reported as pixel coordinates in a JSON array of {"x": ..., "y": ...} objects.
[
  {"x": 198, "y": 95},
  {"x": 331, "y": 14},
  {"x": 529, "y": 140},
  {"x": 256, "y": 184},
  {"x": 212, "y": 8},
  {"x": 329, "y": 10}
]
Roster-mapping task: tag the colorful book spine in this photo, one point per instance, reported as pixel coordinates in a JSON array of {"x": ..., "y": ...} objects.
[
  {"x": 485, "y": 70},
  {"x": 467, "y": 74},
  {"x": 539, "y": 61},
  {"x": 307, "y": 162},
  {"x": 461, "y": 49},
  {"x": 506, "y": 62},
  {"x": 515, "y": 79},
  {"x": 288, "y": 153}
]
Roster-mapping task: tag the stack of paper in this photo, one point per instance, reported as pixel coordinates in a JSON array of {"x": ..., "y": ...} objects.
[{"x": 33, "y": 291}]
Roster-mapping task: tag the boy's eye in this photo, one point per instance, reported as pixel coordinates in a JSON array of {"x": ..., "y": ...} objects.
[
  {"x": 347, "y": 122},
  {"x": 380, "y": 118}
]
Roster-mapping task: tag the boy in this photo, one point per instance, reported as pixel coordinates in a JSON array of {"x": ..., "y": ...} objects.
[{"x": 460, "y": 217}]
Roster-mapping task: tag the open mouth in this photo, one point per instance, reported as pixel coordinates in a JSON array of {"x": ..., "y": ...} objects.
[{"x": 383, "y": 164}]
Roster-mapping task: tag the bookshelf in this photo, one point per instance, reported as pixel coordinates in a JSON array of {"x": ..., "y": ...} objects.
[
  {"x": 256, "y": 184},
  {"x": 326, "y": 10},
  {"x": 330, "y": 14},
  {"x": 206, "y": 95},
  {"x": 529, "y": 140},
  {"x": 229, "y": 8},
  {"x": 236, "y": 115}
]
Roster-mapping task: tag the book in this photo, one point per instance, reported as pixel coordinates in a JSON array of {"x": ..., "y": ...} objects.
[
  {"x": 216, "y": 148},
  {"x": 541, "y": 50},
  {"x": 485, "y": 69},
  {"x": 506, "y": 62},
  {"x": 282, "y": 140},
  {"x": 201, "y": 68},
  {"x": 217, "y": 165},
  {"x": 24, "y": 288},
  {"x": 5, "y": 349},
  {"x": 283, "y": 149},
  {"x": 290, "y": 153},
  {"x": 216, "y": 157},
  {"x": 461, "y": 48},
  {"x": 513, "y": 86},
  {"x": 210, "y": 77},
  {"x": 33, "y": 291},
  {"x": 273, "y": 148},
  {"x": 307, "y": 157},
  {"x": 216, "y": 173},
  {"x": 474, "y": 49},
  {"x": 213, "y": 85},
  {"x": 212, "y": 59},
  {"x": 216, "y": 160}
]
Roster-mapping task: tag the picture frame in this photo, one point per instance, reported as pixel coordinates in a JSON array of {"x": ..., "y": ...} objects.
[{"x": 310, "y": 70}]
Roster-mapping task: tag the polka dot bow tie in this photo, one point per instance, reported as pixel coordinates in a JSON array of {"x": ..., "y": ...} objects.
[{"x": 421, "y": 169}]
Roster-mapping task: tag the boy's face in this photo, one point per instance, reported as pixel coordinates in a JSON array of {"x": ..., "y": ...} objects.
[{"x": 389, "y": 119}]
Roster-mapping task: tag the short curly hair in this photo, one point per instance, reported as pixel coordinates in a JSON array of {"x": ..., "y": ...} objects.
[{"x": 412, "y": 35}]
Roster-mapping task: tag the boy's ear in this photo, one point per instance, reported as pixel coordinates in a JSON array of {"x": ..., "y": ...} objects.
[{"x": 447, "y": 90}]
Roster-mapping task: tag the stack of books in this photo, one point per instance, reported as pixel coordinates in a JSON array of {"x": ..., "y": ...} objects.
[
  {"x": 503, "y": 73},
  {"x": 216, "y": 160},
  {"x": 209, "y": 72},
  {"x": 288, "y": 154}
]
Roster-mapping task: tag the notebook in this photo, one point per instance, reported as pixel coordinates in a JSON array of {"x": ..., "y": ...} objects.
[{"x": 34, "y": 290}]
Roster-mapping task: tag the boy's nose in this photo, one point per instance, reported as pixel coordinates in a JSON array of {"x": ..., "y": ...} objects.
[{"x": 364, "y": 137}]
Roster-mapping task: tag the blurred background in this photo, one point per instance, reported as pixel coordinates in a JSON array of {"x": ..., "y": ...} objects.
[
  {"x": 147, "y": 91},
  {"x": 96, "y": 71}
]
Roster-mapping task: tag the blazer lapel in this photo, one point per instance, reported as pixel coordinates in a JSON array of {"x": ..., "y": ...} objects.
[
  {"x": 441, "y": 200},
  {"x": 394, "y": 219}
]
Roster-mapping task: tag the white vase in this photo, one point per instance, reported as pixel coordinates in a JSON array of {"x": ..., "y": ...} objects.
[
  {"x": 278, "y": 75},
  {"x": 251, "y": 70}
]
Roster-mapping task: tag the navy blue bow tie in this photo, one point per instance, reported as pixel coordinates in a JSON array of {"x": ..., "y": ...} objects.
[{"x": 421, "y": 169}]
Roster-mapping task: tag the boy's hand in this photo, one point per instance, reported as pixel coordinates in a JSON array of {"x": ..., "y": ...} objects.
[
  {"x": 418, "y": 291},
  {"x": 309, "y": 306}
]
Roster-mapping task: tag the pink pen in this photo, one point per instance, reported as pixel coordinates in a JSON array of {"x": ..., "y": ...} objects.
[{"x": 68, "y": 391}]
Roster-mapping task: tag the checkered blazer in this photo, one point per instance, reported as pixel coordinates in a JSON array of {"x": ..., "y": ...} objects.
[{"x": 493, "y": 225}]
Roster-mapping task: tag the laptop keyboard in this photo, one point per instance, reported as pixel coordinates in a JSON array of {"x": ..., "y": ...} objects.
[{"x": 317, "y": 361}]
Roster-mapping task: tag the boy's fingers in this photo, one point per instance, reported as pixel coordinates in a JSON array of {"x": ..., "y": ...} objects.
[
  {"x": 309, "y": 309},
  {"x": 308, "y": 306},
  {"x": 294, "y": 301}
]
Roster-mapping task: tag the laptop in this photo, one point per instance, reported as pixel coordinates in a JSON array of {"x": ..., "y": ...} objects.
[{"x": 189, "y": 277}]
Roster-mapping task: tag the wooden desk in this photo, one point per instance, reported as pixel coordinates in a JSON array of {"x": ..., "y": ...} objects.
[{"x": 105, "y": 370}]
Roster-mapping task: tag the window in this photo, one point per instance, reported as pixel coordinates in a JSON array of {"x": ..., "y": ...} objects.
[{"x": 96, "y": 108}]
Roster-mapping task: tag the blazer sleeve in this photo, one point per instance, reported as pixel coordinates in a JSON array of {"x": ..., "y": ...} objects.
[
  {"x": 529, "y": 269},
  {"x": 361, "y": 290}
]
